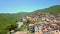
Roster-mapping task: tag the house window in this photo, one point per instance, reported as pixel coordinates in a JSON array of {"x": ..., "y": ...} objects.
[{"x": 16, "y": 25}]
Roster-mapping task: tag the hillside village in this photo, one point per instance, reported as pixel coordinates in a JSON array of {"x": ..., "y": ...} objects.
[{"x": 39, "y": 23}]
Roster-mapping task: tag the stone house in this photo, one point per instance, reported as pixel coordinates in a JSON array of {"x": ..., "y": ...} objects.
[
  {"x": 38, "y": 27},
  {"x": 12, "y": 32},
  {"x": 55, "y": 32},
  {"x": 24, "y": 20},
  {"x": 19, "y": 24},
  {"x": 31, "y": 27}
]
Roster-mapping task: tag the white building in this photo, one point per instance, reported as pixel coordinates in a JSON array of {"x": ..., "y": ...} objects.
[{"x": 19, "y": 24}]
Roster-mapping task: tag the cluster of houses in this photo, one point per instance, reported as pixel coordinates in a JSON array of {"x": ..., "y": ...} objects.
[
  {"x": 41, "y": 23},
  {"x": 46, "y": 28}
]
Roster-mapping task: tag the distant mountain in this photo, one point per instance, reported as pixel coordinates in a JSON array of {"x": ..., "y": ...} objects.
[{"x": 6, "y": 20}]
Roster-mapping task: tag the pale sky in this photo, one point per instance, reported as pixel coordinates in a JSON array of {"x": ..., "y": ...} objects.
[{"x": 15, "y": 6}]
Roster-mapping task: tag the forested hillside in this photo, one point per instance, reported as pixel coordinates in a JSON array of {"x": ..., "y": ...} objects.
[
  {"x": 8, "y": 20},
  {"x": 52, "y": 10}
]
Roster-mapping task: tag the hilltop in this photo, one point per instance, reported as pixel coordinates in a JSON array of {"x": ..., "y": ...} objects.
[{"x": 52, "y": 10}]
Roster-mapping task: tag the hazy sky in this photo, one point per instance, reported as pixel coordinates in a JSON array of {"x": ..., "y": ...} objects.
[{"x": 14, "y": 6}]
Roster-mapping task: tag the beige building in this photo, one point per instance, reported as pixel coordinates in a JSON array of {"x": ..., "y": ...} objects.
[{"x": 20, "y": 32}]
